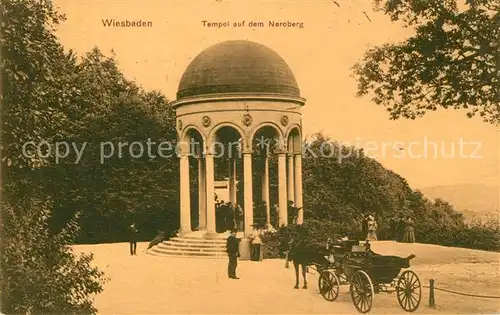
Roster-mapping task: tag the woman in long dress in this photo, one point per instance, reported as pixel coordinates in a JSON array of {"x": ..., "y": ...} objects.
[
  {"x": 256, "y": 244},
  {"x": 409, "y": 236},
  {"x": 372, "y": 229}
]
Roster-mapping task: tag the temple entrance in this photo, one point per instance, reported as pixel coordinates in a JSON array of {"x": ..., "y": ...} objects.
[
  {"x": 266, "y": 144},
  {"x": 227, "y": 159}
]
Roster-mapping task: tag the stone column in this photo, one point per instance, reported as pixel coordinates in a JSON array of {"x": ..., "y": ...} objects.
[
  {"x": 265, "y": 189},
  {"x": 202, "y": 197},
  {"x": 282, "y": 199},
  {"x": 298, "y": 188},
  {"x": 291, "y": 193},
  {"x": 185, "y": 202},
  {"x": 235, "y": 188},
  {"x": 232, "y": 181},
  {"x": 210, "y": 193},
  {"x": 248, "y": 193}
]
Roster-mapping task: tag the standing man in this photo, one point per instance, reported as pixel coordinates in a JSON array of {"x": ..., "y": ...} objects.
[
  {"x": 400, "y": 228},
  {"x": 393, "y": 228},
  {"x": 133, "y": 239},
  {"x": 230, "y": 218},
  {"x": 233, "y": 252},
  {"x": 364, "y": 227},
  {"x": 222, "y": 217}
]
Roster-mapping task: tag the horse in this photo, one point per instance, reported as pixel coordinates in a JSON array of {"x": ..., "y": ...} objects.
[{"x": 305, "y": 253}]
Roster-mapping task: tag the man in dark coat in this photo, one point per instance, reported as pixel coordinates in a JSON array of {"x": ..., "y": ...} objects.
[
  {"x": 229, "y": 216},
  {"x": 133, "y": 239},
  {"x": 233, "y": 252},
  {"x": 364, "y": 227},
  {"x": 393, "y": 228},
  {"x": 400, "y": 228}
]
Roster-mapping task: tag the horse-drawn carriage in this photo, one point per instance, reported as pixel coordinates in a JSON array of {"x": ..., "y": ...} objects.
[{"x": 367, "y": 273}]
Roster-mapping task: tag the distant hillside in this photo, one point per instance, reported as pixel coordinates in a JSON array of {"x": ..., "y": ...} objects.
[{"x": 467, "y": 198}]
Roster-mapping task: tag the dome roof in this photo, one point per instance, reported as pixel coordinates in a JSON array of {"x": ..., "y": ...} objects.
[{"x": 238, "y": 66}]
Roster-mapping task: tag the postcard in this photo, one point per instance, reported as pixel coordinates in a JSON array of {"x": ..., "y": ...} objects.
[{"x": 250, "y": 157}]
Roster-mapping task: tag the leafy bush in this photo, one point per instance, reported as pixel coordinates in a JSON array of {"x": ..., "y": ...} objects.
[
  {"x": 40, "y": 273},
  {"x": 272, "y": 246},
  {"x": 474, "y": 234}
]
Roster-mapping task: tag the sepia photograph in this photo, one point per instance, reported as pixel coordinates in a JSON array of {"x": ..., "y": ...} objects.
[{"x": 250, "y": 157}]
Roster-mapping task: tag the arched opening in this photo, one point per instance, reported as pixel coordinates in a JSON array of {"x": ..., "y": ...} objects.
[
  {"x": 226, "y": 146},
  {"x": 193, "y": 145},
  {"x": 266, "y": 143},
  {"x": 295, "y": 211},
  {"x": 294, "y": 141}
]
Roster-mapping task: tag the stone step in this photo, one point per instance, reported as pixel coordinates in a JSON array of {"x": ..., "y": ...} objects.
[
  {"x": 197, "y": 241},
  {"x": 202, "y": 235},
  {"x": 171, "y": 252},
  {"x": 191, "y": 249},
  {"x": 192, "y": 244},
  {"x": 185, "y": 254},
  {"x": 217, "y": 237}
]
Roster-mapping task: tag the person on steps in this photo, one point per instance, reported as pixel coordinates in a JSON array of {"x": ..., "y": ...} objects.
[{"x": 239, "y": 218}]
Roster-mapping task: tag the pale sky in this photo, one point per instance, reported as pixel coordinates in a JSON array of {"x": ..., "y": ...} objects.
[{"x": 320, "y": 55}]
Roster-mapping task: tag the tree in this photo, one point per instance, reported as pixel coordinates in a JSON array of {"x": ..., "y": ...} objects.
[
  {"x": 451, "y": 61},
  {"x": 39, "y": 271},
  {"x": 37, "y": 81},
  {"x": 341, "y": 183},
  {"x": 128, "y": 184}
]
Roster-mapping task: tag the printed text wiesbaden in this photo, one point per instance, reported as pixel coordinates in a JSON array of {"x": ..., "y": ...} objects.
[{"x": 126, "y": 23}]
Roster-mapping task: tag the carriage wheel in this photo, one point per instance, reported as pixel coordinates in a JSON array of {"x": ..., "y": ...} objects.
[
  {"x": 328, "y": 285},
  {"x": 362, "y": 293},
  {"x": 409, "y": 291}
]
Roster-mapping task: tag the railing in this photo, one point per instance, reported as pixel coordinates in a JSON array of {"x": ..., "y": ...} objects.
[{"x": 432, "y": 288}]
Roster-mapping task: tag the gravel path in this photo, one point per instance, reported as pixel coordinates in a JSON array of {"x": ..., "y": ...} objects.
[{"x": 146, "y": 284}]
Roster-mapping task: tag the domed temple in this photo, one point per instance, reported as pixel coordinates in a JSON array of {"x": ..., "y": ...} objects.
[{"x": 234, "y": 99}]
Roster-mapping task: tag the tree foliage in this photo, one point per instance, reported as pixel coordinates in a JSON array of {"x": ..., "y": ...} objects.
[
  {"x": 40, "y": 273},
  {"x": 341, "y": 184},
  {"x": 134, "y": 182},
  {"x": 451, "y": 61},
  {"x": 36, "y": 86}
]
